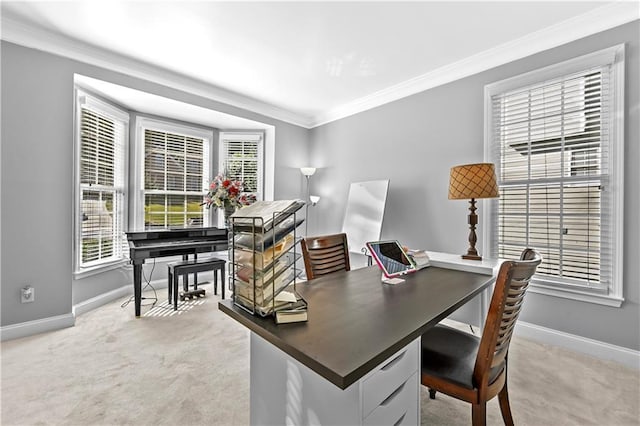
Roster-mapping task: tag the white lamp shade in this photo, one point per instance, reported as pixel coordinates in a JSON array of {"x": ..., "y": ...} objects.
[
  {"x": 314, "y": 199},
  {"x": 308, "y": 171}
]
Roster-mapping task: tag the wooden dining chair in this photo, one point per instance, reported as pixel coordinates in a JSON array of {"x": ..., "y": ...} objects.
[
  {"x": 474, "y": 369},
  {"x": 325, "y": 254}
]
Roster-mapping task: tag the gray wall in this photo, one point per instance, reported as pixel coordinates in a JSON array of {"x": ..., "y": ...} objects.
[
  {"x": 37, "y": 178},
  {"x": 414, "y": 142}
]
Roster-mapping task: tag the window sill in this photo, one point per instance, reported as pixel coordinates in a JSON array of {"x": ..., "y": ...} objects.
[
  {"x": 98, "y": 269},
  {"x": 574, "y": 294}
]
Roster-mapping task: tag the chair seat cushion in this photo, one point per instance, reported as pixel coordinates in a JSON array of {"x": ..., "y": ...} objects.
[{"x": 449, "y": 354}]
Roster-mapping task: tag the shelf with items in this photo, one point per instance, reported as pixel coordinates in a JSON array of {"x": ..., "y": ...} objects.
[
  {"x": 263, "y": 255},
  {"x": 267, "y": 284}
]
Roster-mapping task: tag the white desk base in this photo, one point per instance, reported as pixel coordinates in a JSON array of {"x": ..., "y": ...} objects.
[{"x": 285, "y": 392}]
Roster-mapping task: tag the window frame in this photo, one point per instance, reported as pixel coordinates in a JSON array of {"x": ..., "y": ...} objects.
[
  {"x": 137, "y": 184},
  {"x": 614, "y": 56},
  {"x": 257, "y": 136},
  {"x": 84, "y": 98}
]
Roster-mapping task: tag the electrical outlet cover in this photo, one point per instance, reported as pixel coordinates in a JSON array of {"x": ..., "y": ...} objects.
[{"x": 27, "y": 295}]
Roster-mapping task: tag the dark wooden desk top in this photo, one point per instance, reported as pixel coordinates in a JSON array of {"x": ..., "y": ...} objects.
[{"x": 356, "y": 322}]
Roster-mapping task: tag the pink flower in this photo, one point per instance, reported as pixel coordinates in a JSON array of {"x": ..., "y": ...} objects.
[{"x": 224, "y": 191}]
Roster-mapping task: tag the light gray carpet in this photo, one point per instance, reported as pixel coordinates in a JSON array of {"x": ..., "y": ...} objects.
[{"x": 193, "y": 369}]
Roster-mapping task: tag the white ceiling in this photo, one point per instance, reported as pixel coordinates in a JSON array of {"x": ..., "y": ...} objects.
[{"x": 305, "y": 62}]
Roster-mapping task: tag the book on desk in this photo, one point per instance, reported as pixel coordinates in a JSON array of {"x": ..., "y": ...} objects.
[
  {"x": 420, "y": 258},
  {"x": 287, "y": 316},
  {"x": 294, "y": 309}
]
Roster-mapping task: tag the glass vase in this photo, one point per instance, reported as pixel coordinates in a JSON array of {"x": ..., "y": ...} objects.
[{"x": 227, "y": 211}]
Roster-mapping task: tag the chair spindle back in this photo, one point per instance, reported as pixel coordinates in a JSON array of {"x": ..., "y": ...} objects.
[
  {"x": 506, "y": 303},
  {"x": 325, "y": 254}
]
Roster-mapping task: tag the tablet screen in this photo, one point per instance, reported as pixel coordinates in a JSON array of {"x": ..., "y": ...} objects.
[{"x": 391, "y": 258}]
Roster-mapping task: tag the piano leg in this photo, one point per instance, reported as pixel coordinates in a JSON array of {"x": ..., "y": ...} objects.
[
  {"x": 195, "y": 275},
  {"x": 137, "y": 286}
]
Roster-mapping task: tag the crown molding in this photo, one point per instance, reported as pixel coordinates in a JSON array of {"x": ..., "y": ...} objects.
[
  {"x": 595, "y": 21},
  {"x": 18, "y": 32}
]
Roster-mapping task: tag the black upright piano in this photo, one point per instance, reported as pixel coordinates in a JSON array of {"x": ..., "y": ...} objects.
[{"x": 170, "y": 242}]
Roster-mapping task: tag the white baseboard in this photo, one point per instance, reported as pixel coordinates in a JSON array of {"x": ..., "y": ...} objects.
[
  {"x": 29, "y": 328},
  {"x": 584, "y": 345},
  {"x": 102, "y": 299}
]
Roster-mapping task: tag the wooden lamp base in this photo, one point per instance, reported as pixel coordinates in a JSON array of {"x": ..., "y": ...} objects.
[
  {"x": 472, "y": 253},
  {"x": 471, "y": 256}
]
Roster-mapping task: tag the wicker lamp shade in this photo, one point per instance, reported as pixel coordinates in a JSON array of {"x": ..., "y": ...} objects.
[
  {"x": 469, "y": 182},
  {"x": 473, "y": 181}
]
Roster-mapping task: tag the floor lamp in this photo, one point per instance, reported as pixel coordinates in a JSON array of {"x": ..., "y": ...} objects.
[{"x": 307, "y": 173}]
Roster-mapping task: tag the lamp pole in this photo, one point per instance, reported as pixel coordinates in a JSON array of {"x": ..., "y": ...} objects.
[
  {"x": 307, "y": 172},
  {"x": 306, "y": 213}
]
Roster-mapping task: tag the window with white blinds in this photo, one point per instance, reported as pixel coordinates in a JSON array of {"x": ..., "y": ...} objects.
[
  {"x": 241, "y": 155},
  {"x": 102, "y": 133},
  {"x": 553, "y": 143},
  {"x": 176, "y": 169}
]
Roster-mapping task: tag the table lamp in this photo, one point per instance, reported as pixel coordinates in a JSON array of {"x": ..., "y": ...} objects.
[{"x": 472, "y": 181}]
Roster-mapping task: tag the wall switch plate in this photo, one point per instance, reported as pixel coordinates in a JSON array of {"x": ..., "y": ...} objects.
[{"x": 27, "y": 294}]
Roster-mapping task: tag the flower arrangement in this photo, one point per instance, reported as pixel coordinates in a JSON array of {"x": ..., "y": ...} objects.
[{"x": 226, "y": 193}]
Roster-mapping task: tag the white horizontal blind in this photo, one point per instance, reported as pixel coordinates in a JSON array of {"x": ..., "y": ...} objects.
[
  {"x": 242, "y": 159},
  {"x": 551, "y": 145},
  {"x": 175, "y": 166},
  {"x": 102, "y": 174}
]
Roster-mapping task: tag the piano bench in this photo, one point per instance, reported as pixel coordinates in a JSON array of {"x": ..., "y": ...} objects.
[{"x": 186, "y": 267}]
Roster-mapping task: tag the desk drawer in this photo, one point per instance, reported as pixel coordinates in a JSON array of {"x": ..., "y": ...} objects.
[
  {"x": 388, "y": 377},
  {"x": 400, "y": 408}
]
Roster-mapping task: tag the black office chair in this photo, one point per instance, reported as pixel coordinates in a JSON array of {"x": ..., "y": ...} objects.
[{"x": 474, "y": 369}]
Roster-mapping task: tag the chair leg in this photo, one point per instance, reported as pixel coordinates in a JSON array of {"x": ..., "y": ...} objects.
[
  {"x": 432, "y": 393},
  {"x": 215, "y": 282},
  {"x": 479, "y": 414},
  {"x": 505, "y": 409}
]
